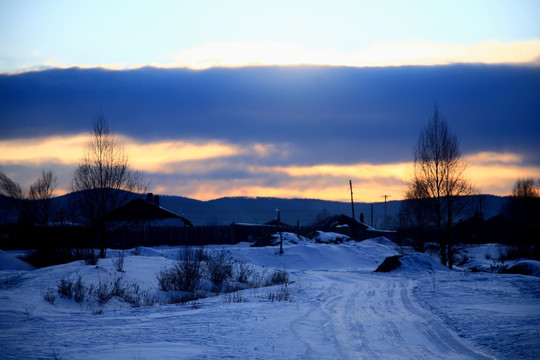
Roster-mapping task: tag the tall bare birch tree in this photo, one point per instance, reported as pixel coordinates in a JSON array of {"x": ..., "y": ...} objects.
[
  {"x": 439, "y": 181},
  {"x": 103, "y": 180}
]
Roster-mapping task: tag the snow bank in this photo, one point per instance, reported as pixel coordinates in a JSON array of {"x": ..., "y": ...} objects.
[
  {"x": 290, "y": 238},
  {"x": 329, "y": 237},
  {"x": 11, "y": 262},
  {"x": 419, "y": 262},
  {"x": 526, "y": 267},
  {"x": 415, "y": 263},
  {"x": 362, "y": 256}
]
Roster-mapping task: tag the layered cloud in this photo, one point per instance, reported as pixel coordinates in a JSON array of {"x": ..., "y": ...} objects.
[
  {"x": 208, "y": 169},
  {"x": 274, "y": 131}
]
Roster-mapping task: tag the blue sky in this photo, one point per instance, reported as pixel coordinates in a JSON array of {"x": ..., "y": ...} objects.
[
  {"x": 212, "y": 122},
  {"x": 134, "y": 33}
]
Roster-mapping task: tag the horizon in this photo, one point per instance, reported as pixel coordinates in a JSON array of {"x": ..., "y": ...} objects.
[{"x": 247, "y": 197}]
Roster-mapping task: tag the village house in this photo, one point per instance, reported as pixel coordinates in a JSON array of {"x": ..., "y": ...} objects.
[{"x": 145, "y": 223}]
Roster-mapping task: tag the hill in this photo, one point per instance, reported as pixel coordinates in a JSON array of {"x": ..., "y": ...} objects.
[{"x": 259, "y": 210}]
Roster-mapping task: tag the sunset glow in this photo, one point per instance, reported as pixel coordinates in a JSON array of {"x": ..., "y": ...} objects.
[
  {"x": 185, "y": 164},
  {"x": 240, "y": 54}
]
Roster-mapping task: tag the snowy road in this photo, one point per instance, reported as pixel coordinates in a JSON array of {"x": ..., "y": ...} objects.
[
  {"x": 333, "y": 315},
  {"x": 363, "y": 316}
]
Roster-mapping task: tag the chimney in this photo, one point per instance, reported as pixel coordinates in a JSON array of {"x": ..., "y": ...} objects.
[
  {"x": 150, "y": 197},
  {"x": 156, "y": 200}
]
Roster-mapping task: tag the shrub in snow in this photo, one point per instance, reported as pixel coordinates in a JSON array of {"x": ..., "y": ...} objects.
[
  {"x": 90, "y": 256},
  {"x": 219, "y": 267},
  {"x": 186, "y": 273},
  {"x": 278, "y": 277},
  {"x": 243, "y": 273},
  {"x": 103, "y": 293},
  {"x": 65, "y": 288},
  {"x": 235, "y": 297},
  {"x": 79, "y": 290},
  {"x": 119, "y": 262},
  {"x": 49, "y": 296},
  {"x": 281, "y": 294}
]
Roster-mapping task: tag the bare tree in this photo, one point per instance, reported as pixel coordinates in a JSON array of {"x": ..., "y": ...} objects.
[
  {"x": 439, "y": 181},
  {"x": 526, "y": 188},
  {"x": 10, "y": 188},
  {"x": 523, "y": 207},
  {"x": 103, "y": 180},
  {"x": 42, "y": 192},
  {"x": 34, "y": 207}
]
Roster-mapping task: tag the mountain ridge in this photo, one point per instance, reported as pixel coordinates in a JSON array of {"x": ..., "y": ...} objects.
[{"x": 259, "y": 210}]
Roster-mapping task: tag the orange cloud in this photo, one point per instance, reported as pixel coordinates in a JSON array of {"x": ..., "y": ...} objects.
[
  {"x": 150, "y": 157},
  {"x": 496, "y": 173},
  {"x": 157, "y": 157},
  {"x": 211, "y": 169},
  {"x": 58, "y": 149}
]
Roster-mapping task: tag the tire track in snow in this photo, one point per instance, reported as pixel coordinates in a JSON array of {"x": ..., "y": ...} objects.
[
  {"x": 314, "y": 330},
  {"x": 438, "y": 334},
  {"x": 366, "y": 316}
]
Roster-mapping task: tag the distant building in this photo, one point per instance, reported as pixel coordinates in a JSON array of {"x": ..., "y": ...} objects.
[
  {"x": 141, "y": 222},
  {"x": 356, "y": 230},
  {"x": 278, "y": 224}
]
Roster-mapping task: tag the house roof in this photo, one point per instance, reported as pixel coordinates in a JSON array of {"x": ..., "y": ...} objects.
[
  {"x": 341, "y": 220},
  {"x": 277, "y": 222},
  {"x": 141, "y": 210}
]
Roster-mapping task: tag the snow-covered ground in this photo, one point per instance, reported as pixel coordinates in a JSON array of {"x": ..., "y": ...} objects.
[{"x": 335, "y": 307}]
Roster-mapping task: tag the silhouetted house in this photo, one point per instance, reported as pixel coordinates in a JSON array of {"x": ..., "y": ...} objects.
[
  {"x": 245, "y": 232},
  {"x": 141, "y": 222},
  {"x": 343, "y": 224},
  {"x": 278, "y": 224},
  {"x": 469, "y": 231},
  {"x": 499, "y": 229},
  {"x": 476, "y": 230},
  {"x": 258, "y": 233}
]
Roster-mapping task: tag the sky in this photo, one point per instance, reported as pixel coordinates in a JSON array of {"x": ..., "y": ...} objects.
[{"x": 271, "y": 98}]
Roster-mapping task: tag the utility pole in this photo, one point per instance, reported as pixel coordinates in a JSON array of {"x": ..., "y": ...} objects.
[
  {"x": 385, "y": 196},
  {"x": 352, "y": 202}
]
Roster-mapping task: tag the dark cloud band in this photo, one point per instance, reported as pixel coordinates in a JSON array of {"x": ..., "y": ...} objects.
[{"x": 320, "y": 114}]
